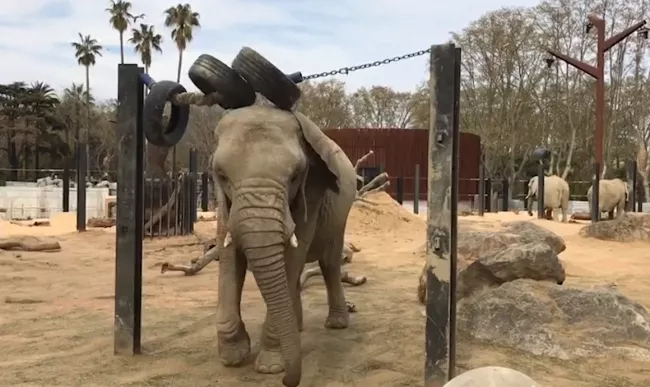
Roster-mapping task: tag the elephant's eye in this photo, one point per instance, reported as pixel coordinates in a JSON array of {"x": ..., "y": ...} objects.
[{"x": 221, "y": 176}]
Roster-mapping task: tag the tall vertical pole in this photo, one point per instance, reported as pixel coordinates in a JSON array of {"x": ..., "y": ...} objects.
[
  {"x": 600, "y": 94},
  {"x": 442, "y": 200},
  {"x": 130, "y": 211}
]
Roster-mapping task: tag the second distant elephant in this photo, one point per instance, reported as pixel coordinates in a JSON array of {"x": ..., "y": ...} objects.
[
  {"x": 556, "y": 195},
  {"x": 612, "y": 194}
]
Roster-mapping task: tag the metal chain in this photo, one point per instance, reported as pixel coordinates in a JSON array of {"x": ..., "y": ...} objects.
[{"x": 347, "y": 70}]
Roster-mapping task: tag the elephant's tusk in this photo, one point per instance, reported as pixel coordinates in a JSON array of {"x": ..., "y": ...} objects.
[
  {"x": 293, "y": 241},
  {"x": 227, "y": 240}
]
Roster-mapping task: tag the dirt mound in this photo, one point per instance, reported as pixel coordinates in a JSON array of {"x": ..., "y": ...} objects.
[
  {"x": 378, "y": 212},
  {"x": 60, "y": 224},
  {"x": 627, "y": 228}
]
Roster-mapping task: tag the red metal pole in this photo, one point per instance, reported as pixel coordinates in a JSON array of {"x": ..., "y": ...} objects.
[{"x": 600, "y": 93}]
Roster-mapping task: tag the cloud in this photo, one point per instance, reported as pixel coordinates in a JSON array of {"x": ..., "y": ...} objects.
[{"x": 296, "y": 35}]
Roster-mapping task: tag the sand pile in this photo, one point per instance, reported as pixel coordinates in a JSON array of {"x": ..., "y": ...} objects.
[
  {"x": 63, "y": 223},
  {"x": 378, "y": 212}
]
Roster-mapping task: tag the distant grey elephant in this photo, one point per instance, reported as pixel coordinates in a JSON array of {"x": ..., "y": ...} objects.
[
  {"x": 556, "y": 195},
  {"x": 284, "y": 192},
  {"x": 612, "y": 195}
]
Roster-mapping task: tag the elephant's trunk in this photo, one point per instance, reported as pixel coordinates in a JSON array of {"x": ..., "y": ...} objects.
[{"x": 258, "y": 224}]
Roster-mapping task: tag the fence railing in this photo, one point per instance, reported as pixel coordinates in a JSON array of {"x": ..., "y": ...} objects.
[{"x": 498, "y": 195}]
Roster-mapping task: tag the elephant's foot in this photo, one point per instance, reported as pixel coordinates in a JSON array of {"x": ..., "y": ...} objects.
[
  {"x": 269, "y": 361},
  {"x": 235, "y": 348},
  {"x": 338, "y": 319}
]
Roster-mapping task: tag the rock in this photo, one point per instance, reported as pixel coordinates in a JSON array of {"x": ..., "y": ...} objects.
[
  {"x": 473, "y": 244},
  {"x": 537, "y": 261},
  {"x": 545, "y": 319},
  {"x": 492, "y": 377},
  {"x": 626, "y": 228},
  {"x": 530, "y": 232}
]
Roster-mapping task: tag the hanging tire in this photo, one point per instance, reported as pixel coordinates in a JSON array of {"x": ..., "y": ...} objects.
[
  {"x": 266, "y": 79},
  {"x": 155, "y": 129},
  {"x": 210, "y": 75}
]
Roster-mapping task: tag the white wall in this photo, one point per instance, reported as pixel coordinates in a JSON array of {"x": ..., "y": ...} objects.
[{"x": 20, "y": 202}]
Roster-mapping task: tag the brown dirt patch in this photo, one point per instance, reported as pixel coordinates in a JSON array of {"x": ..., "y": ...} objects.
[{"x": 64, "y": 336}]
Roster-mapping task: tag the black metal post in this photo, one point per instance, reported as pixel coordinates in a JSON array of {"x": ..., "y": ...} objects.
[
  {"x": 488, "y": 195},
  {"x": 66, "y": 186},
  {"x": 416, "y": 190},
  {"x": 194, "y": 164},
  {"x": 540, "y": 190},
  {"x": 130, "y": 211},
  {"x": 631, "y": 185},
  {"x": 82, "y": 169},
  {"x": 204, "y": 191},
  {"x": 595, "y": 193},
  {"x": 505, "y": 185},
  {"x": 442, "y": 216},
  {"x": 481, "y": 185},
  {"x": 400, "y": 190}
]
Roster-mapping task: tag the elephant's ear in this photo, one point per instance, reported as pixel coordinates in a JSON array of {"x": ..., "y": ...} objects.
[{"x": 327, "y": 150}]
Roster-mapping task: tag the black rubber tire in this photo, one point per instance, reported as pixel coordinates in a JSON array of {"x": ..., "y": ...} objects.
[
  {"x": 266, "y": 79},
  {"x": 211, "y": 75},
  {"x": 153, "y": 125}
]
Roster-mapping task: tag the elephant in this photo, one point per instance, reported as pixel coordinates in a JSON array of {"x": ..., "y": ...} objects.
[
  {"x": 284, "y": 192},
  {"x": 556, "y": 195},
  {"x": 612, "y": 195}
]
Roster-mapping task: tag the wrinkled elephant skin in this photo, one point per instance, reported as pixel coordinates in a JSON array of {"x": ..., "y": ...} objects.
[
  {"x": 612, "y": 195},
  {"x": 556, "y": 196},
  {"x": 284, "y": 193}
]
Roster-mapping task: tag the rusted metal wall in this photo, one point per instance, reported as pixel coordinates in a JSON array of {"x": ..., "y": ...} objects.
[{"x": 399, "y": 150}]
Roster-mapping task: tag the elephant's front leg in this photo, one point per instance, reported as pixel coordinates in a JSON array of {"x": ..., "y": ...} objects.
[
  {"x": 330, "y": 264},
  {"x": 269, "y": 360},
  {"x": 233, "y": 340}
]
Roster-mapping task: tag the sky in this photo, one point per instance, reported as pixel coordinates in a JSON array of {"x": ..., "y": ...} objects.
[{"x": 310, "y": 36}]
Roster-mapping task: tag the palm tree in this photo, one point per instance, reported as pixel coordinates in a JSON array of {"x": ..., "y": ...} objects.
[
  {"x": 146, "y": 40},
  {"x": 86, "y": 51},
  {"x": 42, "y": 102},
  {"x": 182, "y": 20},
  {"x": 74, "y": 97},
  {"x": 121, "y": 18}
]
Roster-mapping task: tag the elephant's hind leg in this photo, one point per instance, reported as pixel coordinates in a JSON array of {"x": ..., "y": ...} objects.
[
  {"x": 330, "y": 264},
  {"x": 233, "y": 340}
]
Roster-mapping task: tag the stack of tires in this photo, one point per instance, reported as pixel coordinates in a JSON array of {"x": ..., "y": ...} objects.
[{"x": 232, "y": 86}]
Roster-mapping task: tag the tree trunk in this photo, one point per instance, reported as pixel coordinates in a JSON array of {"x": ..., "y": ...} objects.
[
  {"x": 569, "y": 157},
  {"x": 180, "y": 66},
  {"x": 122, "y": 47},
  {"x": 87, "y": 128},
  {"x": 178, "y": 79}
]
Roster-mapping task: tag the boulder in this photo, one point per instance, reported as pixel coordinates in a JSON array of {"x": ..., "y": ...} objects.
[
  {"x": 473, "y": 244},
  {"x": 545, "y": 319},
  {"x": 492, "y": 377},
  {"x": 537, "y": 261},
  {"x": 531, "y": 232},
  {"x": 626, "y": 228}
]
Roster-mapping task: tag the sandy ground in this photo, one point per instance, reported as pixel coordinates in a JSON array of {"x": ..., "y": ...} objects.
[{"x": 64, "y": 336}]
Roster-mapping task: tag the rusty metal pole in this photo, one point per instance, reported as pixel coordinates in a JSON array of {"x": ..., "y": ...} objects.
[
  {"x": 598, "y": 72},
  {"x": 599, "y": 24}
]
